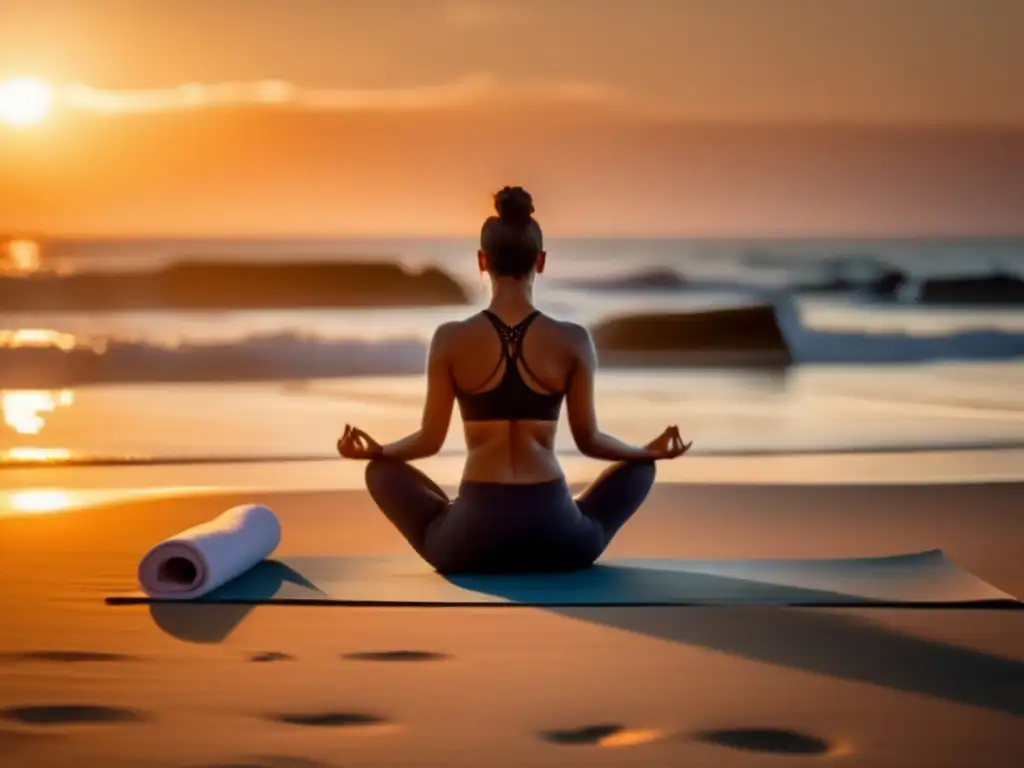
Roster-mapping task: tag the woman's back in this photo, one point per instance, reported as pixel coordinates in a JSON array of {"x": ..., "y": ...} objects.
[{"x": 510, "y": 369}]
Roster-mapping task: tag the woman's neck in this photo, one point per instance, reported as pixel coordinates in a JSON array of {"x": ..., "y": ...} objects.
[{"x": 509, "y": 296}]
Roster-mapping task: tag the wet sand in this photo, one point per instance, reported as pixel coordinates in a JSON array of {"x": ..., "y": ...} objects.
[{"x": 83, "y": 683}]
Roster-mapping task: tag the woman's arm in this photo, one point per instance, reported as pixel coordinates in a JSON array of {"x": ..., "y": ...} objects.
[
  {"x": 589, "y": 438},
  {"x": 437, "y": 409}
]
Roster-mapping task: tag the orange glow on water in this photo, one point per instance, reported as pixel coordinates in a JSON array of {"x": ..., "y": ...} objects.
[
  {"x": 23, "y": 409},
  {"x": 29, "y": 454},
  {"x": 22, "y": 256},
  {"x": 37, "y": 337}
]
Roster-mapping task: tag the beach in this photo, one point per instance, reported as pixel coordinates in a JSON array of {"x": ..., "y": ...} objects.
[{"x": 88, "y": 683}]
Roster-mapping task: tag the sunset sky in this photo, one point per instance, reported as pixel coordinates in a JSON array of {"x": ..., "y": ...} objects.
[{"x": 660, "y": 117}]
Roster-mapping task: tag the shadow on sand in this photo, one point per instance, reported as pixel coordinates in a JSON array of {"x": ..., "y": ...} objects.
[
  {"x": 818, "y": 640},
  {"x": 212, "y": 622},
  {"x": 827, "y": 643},
  {"x": 772, "y": 741}
]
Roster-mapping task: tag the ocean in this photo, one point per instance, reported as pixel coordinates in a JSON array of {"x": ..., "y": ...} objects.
[{"x": 871, "y": 374}]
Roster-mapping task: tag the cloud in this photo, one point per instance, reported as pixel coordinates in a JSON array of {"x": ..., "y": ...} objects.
[
  {"x": 185, "y": 96},
  {"x": 472, "y": 89}
]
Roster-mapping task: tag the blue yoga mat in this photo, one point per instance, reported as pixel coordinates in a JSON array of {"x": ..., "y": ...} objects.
[{"x": 924, "y": 579}]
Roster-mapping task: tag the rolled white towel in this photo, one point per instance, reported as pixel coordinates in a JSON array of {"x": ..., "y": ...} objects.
[{"x": 202, "y": 558}]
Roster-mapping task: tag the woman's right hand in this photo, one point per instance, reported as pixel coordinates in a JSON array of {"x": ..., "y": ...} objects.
[
  {"x": 356, "y": 444},
  {"x": 667, "y": 445}
]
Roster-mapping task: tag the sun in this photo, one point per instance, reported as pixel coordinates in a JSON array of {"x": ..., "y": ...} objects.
[{"x": 24, "y": 101}]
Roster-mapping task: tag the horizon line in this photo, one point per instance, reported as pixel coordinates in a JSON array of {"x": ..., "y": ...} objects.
[{"x": 8, "y": 234}]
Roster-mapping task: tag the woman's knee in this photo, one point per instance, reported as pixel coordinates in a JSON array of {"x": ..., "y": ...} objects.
[
  {"x": 634, "y": 481},
  {"x": 643, "y": 471},
  {"x": 380, "y": 474}
]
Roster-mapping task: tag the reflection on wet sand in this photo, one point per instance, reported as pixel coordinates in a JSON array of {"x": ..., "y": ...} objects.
[
  {"x": 40, "y": 501},
  {"x": 51, "y": 499}
]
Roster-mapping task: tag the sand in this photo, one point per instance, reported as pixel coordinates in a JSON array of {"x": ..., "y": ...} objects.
[{"x": 85, "y": 684}]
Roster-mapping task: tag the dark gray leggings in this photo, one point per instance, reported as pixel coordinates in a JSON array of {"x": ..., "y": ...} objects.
[{"x": 498, "y": 527}]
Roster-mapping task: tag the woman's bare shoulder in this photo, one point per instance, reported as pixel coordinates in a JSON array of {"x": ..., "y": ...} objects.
[
  {"x": 453, "y": 329},
  {"x": 452, "y": 335},
  {"x": 572, "y": 333},
  {"x": 446, "y": 335}
]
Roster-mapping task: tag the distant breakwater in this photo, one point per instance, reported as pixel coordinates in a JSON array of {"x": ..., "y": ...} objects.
[{"x": 200, "y": 285}]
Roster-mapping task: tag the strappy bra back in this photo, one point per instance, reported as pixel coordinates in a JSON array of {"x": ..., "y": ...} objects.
[{"x": 512, "y": 399}]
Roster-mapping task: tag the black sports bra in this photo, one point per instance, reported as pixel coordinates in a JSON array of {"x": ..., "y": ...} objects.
[{"x": 512, "y": 399}]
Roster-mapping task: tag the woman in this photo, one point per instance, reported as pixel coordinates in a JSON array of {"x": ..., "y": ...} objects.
[{"x": 509, "y": 368}]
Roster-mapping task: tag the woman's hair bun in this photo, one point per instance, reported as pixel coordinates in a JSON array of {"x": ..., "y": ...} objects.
[{"x": 514, "y": 206}]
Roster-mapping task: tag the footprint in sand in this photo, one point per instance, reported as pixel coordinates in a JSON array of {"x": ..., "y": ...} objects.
[
  {"x": 270, "y": 656},
  {"x": 329, "y": 719},
  {"x": 395, "y": 656},
  {"x": 70, "y": 714},
  {"x": 770, "y": 740},
  {"x": 607, "y": 735},
  {"x": 68, "y": 657}
]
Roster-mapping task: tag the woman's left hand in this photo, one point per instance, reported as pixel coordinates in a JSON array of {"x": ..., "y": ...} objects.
[{"x": 356, "y": 444}]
